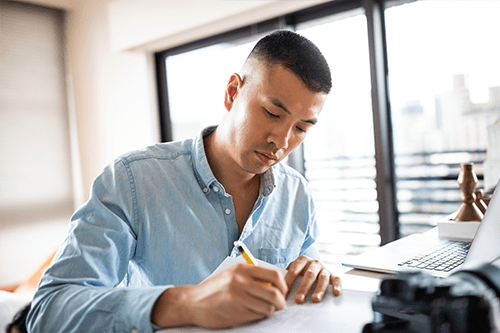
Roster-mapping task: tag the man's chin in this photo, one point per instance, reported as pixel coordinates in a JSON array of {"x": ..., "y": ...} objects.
[{"x": 258, "y": 170}]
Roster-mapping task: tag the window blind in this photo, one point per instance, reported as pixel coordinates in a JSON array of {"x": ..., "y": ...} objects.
[{"x": 35, "y": 159}]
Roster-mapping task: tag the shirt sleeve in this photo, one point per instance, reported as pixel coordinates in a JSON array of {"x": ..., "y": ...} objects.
[{"x": 77, "y": 292}]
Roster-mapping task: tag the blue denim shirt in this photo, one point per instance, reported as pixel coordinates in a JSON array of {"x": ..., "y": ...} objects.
[{"x": 158, "y": 218}]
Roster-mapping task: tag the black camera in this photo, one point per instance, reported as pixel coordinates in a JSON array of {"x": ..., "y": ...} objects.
[{"x": 465, "y": 302}]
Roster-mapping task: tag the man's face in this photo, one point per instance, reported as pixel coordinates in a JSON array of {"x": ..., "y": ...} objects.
[{"x": 270, "y": 114}]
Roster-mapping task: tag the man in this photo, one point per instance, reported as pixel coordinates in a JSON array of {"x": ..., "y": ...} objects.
[
  {"x": 18, "y": 324},
  {"x": 160, "y": 220}
]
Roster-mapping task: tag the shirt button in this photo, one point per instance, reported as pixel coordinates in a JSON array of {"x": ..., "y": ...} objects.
[
  {"x": 216, "y": 189},
  {"x": 205, "y": 190},
  {"x": 227, "y": 211}
]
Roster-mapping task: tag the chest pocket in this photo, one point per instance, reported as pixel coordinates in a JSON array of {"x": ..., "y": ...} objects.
[{"x": 280, "y": 257}]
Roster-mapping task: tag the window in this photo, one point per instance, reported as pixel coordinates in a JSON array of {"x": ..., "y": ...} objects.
[
  {"x": 34, "y": 130},
  {"x": 339, "y": 151},
  {"x": 196, "y": 81},
  {"x": 36, "y": 189},
  {"x": 445, "y": 91}
]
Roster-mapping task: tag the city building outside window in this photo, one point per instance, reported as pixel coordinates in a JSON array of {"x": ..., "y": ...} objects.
[{"x": 444, "y": 81}]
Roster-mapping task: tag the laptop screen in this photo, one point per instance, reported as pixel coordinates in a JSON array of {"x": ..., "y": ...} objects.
[{"x": 486, "y": 245}]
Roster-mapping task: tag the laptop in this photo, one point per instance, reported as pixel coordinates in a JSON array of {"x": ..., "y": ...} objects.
[{"x": 406, "y": 253}]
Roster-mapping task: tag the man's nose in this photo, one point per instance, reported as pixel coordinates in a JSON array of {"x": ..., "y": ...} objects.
[{"x": 280, "y": 137}]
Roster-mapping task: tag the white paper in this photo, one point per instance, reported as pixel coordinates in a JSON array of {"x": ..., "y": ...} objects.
[{"x": 346, "y": 313}]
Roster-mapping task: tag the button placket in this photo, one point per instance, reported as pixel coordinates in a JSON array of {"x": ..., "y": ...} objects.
[{"x": 227, "y": 210}]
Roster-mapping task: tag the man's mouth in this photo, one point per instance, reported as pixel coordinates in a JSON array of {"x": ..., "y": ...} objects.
[{"x": 267, "y": 158}]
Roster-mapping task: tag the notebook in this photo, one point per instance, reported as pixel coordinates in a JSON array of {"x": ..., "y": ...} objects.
[{"x": 404, "y": 254}]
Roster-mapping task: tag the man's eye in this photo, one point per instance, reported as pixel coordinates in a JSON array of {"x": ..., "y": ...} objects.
[
  {"x": 301, "y": 129},
  {"x": 272, "y": 115}
]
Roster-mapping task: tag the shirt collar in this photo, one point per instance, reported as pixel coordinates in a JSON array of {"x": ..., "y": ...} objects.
[
  {"x": 267, "y": 184},
  {"x": 204, "y": 174},
  {"x": 202, "y": 169}
]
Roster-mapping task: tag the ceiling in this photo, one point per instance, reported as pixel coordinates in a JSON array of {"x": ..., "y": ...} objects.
[
  {"x": 61, "y": 4},
  {"x": 137, "y": 23}
]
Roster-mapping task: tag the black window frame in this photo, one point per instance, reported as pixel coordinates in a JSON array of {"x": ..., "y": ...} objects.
[{"x": 384, "y": 151}]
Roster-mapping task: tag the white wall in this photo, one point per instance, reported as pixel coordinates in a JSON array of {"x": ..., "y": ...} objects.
[{"x": 113, "y": 93}]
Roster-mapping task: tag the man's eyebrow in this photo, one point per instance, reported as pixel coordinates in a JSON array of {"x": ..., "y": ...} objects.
[{"x": 278, "y": 103}]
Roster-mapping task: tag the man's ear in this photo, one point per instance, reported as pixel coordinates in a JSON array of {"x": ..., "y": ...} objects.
[{"x": 232, "y": 89}]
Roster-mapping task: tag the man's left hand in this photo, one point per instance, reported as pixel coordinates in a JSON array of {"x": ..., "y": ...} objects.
[{"x": 312, "y": 271}]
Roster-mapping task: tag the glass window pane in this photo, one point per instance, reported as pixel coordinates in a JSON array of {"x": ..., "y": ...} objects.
[
  {"x": 444, "y": 80},
  {"x": 339, "y": 151},
  {"x": 196, "y": 83}
]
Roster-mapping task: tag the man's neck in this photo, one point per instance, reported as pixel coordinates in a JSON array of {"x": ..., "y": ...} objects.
[
  {"x": 242, "y": 186},
  {"x": 227, "y": 172}
]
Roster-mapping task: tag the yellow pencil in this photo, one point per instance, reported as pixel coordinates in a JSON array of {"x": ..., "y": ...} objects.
[{"x": 245, "y": 253}]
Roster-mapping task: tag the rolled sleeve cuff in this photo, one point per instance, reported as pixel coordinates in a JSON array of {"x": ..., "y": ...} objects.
[{"x": 135, "y": 311}]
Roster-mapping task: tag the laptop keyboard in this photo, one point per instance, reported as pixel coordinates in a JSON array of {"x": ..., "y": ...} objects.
[{"x": 445, "y": 258}]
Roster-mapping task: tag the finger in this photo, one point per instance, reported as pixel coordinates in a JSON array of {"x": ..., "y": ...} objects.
[
  {"x": 324, "y": 279},
  {"x": 266, "y": 297},
  {"x": 309, "y": 277},
  {"x": 254, "y": 278},
  {"x": 259, "y": 307},
  {"x": 247, "y": 310},
  {"x": 268, "y": 275},
  {"x": 294, "y": 270},
  {"x": 336, "y": 283}
]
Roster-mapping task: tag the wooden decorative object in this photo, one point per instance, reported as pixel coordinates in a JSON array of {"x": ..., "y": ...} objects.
[
  {"x": 467, "y": 180},
  {"x": 479, "y": 201}
]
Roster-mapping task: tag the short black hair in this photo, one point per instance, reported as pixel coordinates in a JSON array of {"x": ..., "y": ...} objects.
[
  {"x": 19, "y": 320},
  {"x": 298, "y": 54}
]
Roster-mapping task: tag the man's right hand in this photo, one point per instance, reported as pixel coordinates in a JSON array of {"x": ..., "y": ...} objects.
[{"x": 230, "y": 298}]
